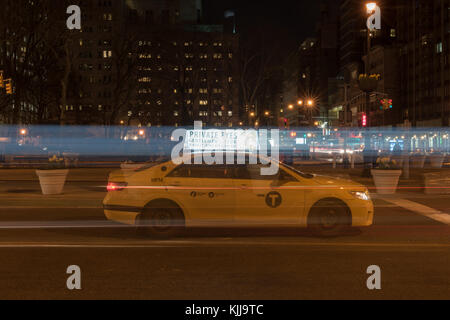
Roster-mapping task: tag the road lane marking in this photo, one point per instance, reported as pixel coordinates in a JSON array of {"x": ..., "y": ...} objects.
[
  {"x": 421, "y": 209},
  {"x": 196, "y": 244}
]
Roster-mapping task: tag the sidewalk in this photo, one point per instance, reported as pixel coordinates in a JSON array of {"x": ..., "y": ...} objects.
[
  {"x": 72, "y": 197},
  {"x": 76, "y": 174}
]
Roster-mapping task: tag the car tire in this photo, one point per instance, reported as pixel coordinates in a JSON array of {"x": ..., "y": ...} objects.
[
  {"x": 160, "y": 222},
  {"x": 329, "y": 218}
]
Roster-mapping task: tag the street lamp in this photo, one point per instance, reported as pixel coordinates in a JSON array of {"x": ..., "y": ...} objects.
[
  {"x": 310, "y": 103},
  {"x": 371, "y": 7},
  {"x": 300, "y": 102},
  {"x": 23, "y": 132},
  {"x": 291, "y": 106}
]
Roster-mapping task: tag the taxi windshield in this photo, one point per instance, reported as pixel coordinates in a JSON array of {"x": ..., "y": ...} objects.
[{"x": 302, "y": 174}]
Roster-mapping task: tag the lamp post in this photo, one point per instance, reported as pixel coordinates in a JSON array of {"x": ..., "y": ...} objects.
[{"x": 372, "y": 10}]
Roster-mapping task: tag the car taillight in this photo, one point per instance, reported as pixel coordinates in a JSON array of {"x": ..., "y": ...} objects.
[{"x": 116, "y": 186}]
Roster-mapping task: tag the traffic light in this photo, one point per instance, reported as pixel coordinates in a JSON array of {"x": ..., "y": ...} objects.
[
  {"x": 386, "y": 104},
  {"x": 364, "y": 120},
  {"x": 8, "y": 86}
]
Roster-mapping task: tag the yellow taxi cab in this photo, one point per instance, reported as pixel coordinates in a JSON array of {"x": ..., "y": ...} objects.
[{"x": 165, "y": 198}]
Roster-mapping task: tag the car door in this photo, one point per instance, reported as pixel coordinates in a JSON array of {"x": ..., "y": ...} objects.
[
  {"x": 267, "y": 200},
  {"x": 206, "y": 191}
]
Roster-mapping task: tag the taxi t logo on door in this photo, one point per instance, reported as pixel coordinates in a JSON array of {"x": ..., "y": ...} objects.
[{"x": 273, "y": 199}]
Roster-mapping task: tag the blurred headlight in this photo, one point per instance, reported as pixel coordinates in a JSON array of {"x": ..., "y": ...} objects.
[{"x": 360, "y": 195}]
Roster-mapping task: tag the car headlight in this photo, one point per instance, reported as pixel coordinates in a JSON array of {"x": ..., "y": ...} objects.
[{"x": 360, "y": 195}]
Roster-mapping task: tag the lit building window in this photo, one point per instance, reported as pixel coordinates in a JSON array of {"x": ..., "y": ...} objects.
[
  {"x": 393, "y": 33},
  {"x": 203, "y": 102},
  {"x": 145, "y": 79}
]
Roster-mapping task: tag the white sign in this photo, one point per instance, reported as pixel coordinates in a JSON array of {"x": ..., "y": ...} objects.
[{"x": 227, "y": 140}]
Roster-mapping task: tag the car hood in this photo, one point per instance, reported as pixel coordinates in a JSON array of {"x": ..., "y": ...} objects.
[{"x": 338, "y": 182}]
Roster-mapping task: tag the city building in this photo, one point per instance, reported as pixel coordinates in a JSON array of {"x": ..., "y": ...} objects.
[
  {"x": 424, "y": 61},
  {"x": 186, "y": 70}
]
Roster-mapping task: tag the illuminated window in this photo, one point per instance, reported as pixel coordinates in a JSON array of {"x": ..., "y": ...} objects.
[
  {"x": 393, "y": 33},
  {"x": 203, "y": 102},
  {"x": 145, "y": 79},
  {"x": 107, "y": 53}
]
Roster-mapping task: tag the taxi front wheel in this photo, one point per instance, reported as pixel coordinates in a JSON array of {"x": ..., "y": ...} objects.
[
  {"x": 329, "y": 217},
  {"x": 161, "y": 222}
]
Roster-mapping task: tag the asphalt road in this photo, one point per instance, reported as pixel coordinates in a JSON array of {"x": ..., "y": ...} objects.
[{"x": 412, "y": 251}]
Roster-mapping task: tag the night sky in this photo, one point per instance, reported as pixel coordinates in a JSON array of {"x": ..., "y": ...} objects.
[{"x": 296, "y": 19}]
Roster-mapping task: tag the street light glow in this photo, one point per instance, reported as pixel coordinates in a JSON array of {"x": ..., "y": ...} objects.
[
  {"x": 300, "y": 102},
  {"x": 371, "y": 6},
  {"x": 310, "y": 102},
  {"x": 23, "y": 132},
  {"x": 291, "y": 106}
]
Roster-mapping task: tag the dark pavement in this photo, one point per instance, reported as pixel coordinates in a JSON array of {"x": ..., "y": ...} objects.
[
  {"x": 41, "y": 236},
  {"x": 412, "y": 251}
]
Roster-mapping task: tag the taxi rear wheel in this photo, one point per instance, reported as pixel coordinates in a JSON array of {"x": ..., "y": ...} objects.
[
  {"x": 329, "y": 218},
  {"x": 161, "y": 222}
]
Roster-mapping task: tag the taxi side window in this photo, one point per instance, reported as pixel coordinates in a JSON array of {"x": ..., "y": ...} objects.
[
  {"x": 253, "y": 172},
  {"x": 250, "y": 172},
  {"x": 181, "y": 171},
  {"x": 201, "y": 171}
]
